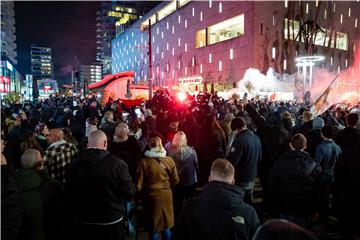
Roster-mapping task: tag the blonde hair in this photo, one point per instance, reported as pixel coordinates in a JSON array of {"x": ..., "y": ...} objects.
[
  {"x": 107, "y": 115},
  {"x": 178, "y": 141},
  {"x": 156, "y": 144}
]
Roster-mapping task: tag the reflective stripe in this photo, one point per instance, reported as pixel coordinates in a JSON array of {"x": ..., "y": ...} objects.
[{"x": 104, "y": 224}]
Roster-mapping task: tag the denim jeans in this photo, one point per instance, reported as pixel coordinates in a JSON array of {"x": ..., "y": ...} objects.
[{"x": 131, "y": 218}]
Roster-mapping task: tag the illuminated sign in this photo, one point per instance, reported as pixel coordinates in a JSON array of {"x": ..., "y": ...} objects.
[{"x": 191, "y": 80}]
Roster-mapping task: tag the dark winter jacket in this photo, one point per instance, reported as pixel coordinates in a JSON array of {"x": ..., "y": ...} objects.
[
  {"x": 348, "y": 138},
  {"x": 151, "y": 123},
  {"x": 11, "y": 205},
  {"x": 292, "y": 184},
  {"x": 43, "y": 205},
  {"x": 218, "y": 213},
  {"x": 313, "y": 140},
  {"x": 97, "y": 186},
  {"x": 245, "y": 153},
  {"x": 108, "y": 128}
]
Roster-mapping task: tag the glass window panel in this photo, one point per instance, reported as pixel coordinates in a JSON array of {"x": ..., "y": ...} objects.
[
  {"x": 167, "y": 10},
  {"x": 341, "y": 41},
  {"x": 201, "y": 38},
  {"x": 183, "y": 2},
  {"x": 225, "y": 30}
]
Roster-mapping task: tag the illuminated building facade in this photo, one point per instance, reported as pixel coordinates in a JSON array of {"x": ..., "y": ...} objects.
[
  {"x": 8, "y": 37},
  {"x": 202, "y": 42},
  {"x": 10, "y": 78},
  {"x": 91, "y": 73},
  {"x": 112, "y": 19}
]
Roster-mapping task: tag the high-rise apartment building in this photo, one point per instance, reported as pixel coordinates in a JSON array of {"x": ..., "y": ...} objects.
[
  {"x": 8, "y": 38},
  {"x": 112, "y": 19},
  {"x": 91, "y": 72},
  {"x": 41, "y": 63}
]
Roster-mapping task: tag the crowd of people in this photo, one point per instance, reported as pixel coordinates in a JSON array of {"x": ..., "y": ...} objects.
[{"x": 77, "y": 169}]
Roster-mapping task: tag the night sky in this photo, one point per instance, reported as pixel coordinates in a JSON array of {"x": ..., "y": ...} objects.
[{"x": 69, "y": 28}]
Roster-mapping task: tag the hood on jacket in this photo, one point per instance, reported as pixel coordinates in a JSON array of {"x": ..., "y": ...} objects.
[
  {"x": 300, "y": 164},
  {"x": 155, "y": 153},
  {"x": 225, "y": 195},
  {"x": 91, "y": 156}
]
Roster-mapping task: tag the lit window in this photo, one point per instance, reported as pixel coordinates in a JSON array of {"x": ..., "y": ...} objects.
[
  {"x": 228, "y": 29},
  {"x": 157, "y": 50},
  {"x": 325, "y": 13},
  {"x": 173, "y": 73},
  {"x": 157, "y": 30},
  {"x": 193, "y": 61},
  {"x": 210, "y": 3},
  {"x": 201, "y": 16},
  {"x": 210, "y": 58},
  {"x": 162, "y": 35},
  {"x": 200, "y": 38},
  {"x": 285, "y": 64},
  {"x": 307, "y": 8},
  {"x": 173, "y": 51},
  {"x": 179, "y": 42},
  {"x": 334, "y": 7},
  {"x": 185, "y": 47},
  {"x": 183, "y": 2},
  {"x": 153, "y": 39},
  {"x": 201, "y": 70},
  {"x": 273, "y": 52},
  {"x": 179, "y": 19},
  {"x": 231, "y": 54},
  {"x": 162, "y": 55},
  {"x": 286, "y": 3},
  {"x": 167, "y": 46},
  {"x": 167, "y": 10},
  {"x": 349, "y": 12},
  {"x": 341, "y": 41},
  {"x": 331, "y": 61},
  {"x": 167, "y": 25},
  {"x": 185, "y": 23},
  {"x": 273, "y": 20},
  {"x": 356, "y": 22},
  {"x": 341, "y": 18},
  {"x": 179, "y": 65},
  {"x": 185, "y": 71},
  {"x": 173, "y": 30},
  {"x": 346, "y": 63},
  {"x": 193, "y": 12},
  {"x": 153, "y": 58},
  {"x": 220, "y": 66},
  {"x": 220, "y": 7},
  {"x": 339, "y": 69}
]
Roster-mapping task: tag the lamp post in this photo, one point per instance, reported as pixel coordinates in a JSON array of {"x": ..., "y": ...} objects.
[{"x": 150, "y": 81}]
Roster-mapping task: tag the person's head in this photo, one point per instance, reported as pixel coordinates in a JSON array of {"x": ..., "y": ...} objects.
[
  {"x": 89, "y": 129},
  {"x": 32, "y": 158},
  {"x": 109, "y": 116},
  {"x": 98, "y": 140},
  {"x": 155, "y": 143},
  {"x": 93, "y": 104},
  {"x": 318, "y": 123},
  {"x": 122, "y": 132},
  {"x": 179, "y": 140},
  {"x": 298, "y": 142},
  {"x": 55, "y": 134},
  {"x": 281, "y": 229},
  {"x": 327, "y": 132},
  {"x": 223, "y": 171},
  {"x": 352, "y": 119},
  {"x": 42, "y": 129},
  {"x": 307, "y": 116},
  {"x": 238, "y": 124}
]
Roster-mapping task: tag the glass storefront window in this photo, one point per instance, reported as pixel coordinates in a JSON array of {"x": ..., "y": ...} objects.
[
  {"x": 341, "y": 41},
  {"x": 225, "y": 30},
  {"x": 201, "y": 38}
]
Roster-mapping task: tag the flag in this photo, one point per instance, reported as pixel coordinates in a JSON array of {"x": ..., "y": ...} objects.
[{"x": 322, "y": 103}]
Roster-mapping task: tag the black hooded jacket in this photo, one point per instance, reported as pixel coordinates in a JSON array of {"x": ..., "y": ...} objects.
[
  {"x": 218, "y": 213},
  {"x": 293, "y": 182},
  {"x": 97, "y": 186}
]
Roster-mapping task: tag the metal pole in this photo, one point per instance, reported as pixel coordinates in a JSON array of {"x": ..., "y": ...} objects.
[{"x": 150, "y": 81}]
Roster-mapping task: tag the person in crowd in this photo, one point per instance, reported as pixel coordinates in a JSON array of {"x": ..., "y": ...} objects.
[
  {"x": 59, "y": 155},
  {"x": 313, "y": 137},
  {"x": 225, "y": 126},
  {"x": 282, "y": 229},
  {"x": 41, "y": 132},
  {"x": 349, "y": 137},
  {"x": 306, "y": 122},
  {"x": 186, "y": 161},
  {"x": 108, "y": 125},
  {"x": 151, "y": 121},
  {"x": 96, "y": 189},
  {"x": 42, "y": 199},
  {"x": 293, "y": 183},
  {"x": 347, "y": 181},
  {"x": 11, "y": 205},
  {"x": 211, "y": 145},
  {"x": 219, "y": 212},
  {"x": 244, "y": 154},
  {"x": 155, "y": 175},
  {"x": 327, "y": 153}
]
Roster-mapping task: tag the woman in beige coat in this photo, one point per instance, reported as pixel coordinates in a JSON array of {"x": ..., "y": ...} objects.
[{"x": 155, "y": 176}]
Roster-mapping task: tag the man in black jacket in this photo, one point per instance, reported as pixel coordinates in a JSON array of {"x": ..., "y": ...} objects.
[
  {"x": 293, "y": 182},
  {"x": 97, "y": 187},
  {"x": 245, "y": 153},
  {"x": 349, "y": 137},
  {"x": 219, "y": 212}
]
